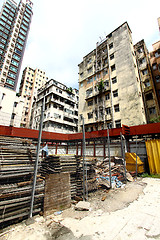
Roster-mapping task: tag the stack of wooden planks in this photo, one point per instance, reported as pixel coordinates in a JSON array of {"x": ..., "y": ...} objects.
[{"x": 17, "y": 158}]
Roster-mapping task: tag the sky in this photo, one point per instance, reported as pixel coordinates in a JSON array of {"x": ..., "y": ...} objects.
[{"x": 63, "y": 32}]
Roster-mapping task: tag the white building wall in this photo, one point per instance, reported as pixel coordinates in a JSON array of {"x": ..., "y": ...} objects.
[{"x": 10, "y": 107}]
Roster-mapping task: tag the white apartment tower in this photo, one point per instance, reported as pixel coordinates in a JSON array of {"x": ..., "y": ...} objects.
[
  {"x": 15, "y": 20},
  {"x": 31, "y": 81},
  {"x": 61, "y": 108},
  {"x": 109, "y": 85}
]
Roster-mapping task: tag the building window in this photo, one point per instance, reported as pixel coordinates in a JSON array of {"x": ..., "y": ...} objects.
[
  {"x": 104, "y": 73},
  {"x": 114, "y": 80},
  {"x": 15, "y": 104},
  {"x": 90, "y": 80},
  {"x": 145, "y": 72},
  {"x": 115, "y": 93},
  {"x": 147, "y": 83},
  {"x": 111, "y": 56},
  {"x": 106, "y": 83},
  {"x": 90, "y": 70},
  {"x": 157, "y": 54},
  {"x": 116, "y": 108},
  {"x": 108, "y": 110},
  {"x": 152, "y": 110},
  {"x": 142, "y": 60},
  {"x": 118, "y": 123},
  {"x": 90, "y": 115},
  {"x": 113, "y": 67},
  {"x": 90, "y": 103},
  {"x": 107, "y": 96},
  {"x": 81, "y": 84},
  {"x": 140, "y": 50},
  {"x": 89, "y": 91},
  {"x": 154, "y": 66},
  {"x": 149, "y": 96},
  {"x": 157, "y": 78},
  {"x": 111, "y": 45},
  {"x": 105, "y": 61},
  {"x": 13, "y": 116}
]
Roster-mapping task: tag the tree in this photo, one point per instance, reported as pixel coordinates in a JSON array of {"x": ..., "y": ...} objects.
[
  {"x": 155, "y": 120},
  {"x": 101, "y": 86}
]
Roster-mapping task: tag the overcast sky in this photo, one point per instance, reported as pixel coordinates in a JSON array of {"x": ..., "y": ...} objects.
[{"x": 63, "y": 32}]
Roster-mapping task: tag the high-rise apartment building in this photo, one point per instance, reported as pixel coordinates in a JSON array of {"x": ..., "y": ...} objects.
[
  {"x": 15, "y": 22},
  {"x": 146, "y": 79},
  {"x": 61, "y": 108},
  {"x": 155, "y": 63},
  {"x": 31, "y": 81},
  {"x": 109, "y": 84}
]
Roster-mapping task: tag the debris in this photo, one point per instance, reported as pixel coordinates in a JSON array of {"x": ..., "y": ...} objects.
[
  {"x": 104, "y": 198},
  {"x": 82, "y": 206},
  {"x": 77, "y": 198},
  {"x": 129, "y": 177},
  {"x": 58, "y": 213}
]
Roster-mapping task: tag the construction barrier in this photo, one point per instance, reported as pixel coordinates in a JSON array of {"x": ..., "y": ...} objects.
[
  {"x": 153, "y": 153},
  {"x": 131, "y": 163}
]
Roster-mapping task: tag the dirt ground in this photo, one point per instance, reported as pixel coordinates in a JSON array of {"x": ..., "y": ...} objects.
[{"x": 126, "y": 213}]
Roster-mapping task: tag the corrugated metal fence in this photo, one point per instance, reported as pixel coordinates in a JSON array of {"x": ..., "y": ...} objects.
[{"x": 153, "y": 152}]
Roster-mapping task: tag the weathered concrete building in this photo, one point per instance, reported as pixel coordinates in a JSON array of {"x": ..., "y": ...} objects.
[
  {"x": 155, "y": 63},
  {"x": 11, "y": 107},
  {"x": 61, "y": 108},
  {"x": 109, "y": 85},
  {"x": 146, "y": 79},
  {"x": 31, "y": 81}
]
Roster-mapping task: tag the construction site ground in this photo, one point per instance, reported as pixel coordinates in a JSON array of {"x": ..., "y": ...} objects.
[{"x": 130, "y": 212}]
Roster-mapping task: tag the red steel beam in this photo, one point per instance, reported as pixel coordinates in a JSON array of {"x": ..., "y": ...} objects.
[{"x": 147, "y": 129}]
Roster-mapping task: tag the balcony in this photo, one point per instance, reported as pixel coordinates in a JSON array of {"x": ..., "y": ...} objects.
[
  {"x": 143, "y": 66},
  {"x": 96, "y": 93}
]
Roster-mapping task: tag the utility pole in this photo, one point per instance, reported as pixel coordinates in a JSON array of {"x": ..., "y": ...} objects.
[
  {"x": 136, "y": 157},
  {"x": 37, "y": 158},
  {"x": 123, "y": 154},
  {"x": 110, "y": 176},
  {"x": 85, "y": 189}
]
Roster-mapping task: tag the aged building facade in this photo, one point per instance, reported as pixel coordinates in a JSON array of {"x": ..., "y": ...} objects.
[
  {"x": 15, "y": 22},
  {"x": 11, "y": 107},
  {"x": 155, "y": 63},
  {"x": 61, "y": 108},
  {"x": 146, "y": 80},
  {"x": 109, "y": 84},
  {"x": 32, "y": 80}
]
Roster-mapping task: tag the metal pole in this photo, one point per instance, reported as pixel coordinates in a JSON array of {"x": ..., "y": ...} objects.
[
  {"x": 37, "y": 158},
  {"x": 123, "y": 155},
  {"x": 84, "y": 153},
  {"x": 136, "y": 156},
  {"x": 110, "y": 176}
]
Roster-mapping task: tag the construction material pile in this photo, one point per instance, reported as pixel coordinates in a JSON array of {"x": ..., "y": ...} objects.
[
  {"x": 117, "y": 172},
  {"x": 17, "y": 158},
  {"x": 64, "y": 163}
]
